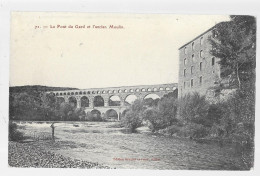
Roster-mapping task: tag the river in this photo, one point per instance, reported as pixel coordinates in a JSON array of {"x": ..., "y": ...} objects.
[{"x": 109, "y": 145}]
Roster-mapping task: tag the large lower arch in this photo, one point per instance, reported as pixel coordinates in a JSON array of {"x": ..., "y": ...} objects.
[
  {"x": 94, "y": 115},
  {"x": 114, "y": 100},
  {"x": 152, "y": 96},
  {"x": 129, "y": 99},
  {"x": 84, "y": 102},
  {"x": 73, "y": 102},
  {"x": 98, "y": 101},
  {"x": 112, "y": 115},
  {"x": 151, "y": 99}
]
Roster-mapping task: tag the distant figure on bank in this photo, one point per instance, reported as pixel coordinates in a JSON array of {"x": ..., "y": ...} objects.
[{"x": 53, "y": 127}]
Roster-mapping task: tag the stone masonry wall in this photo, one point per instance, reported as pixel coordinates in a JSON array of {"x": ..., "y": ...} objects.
[{"x": 209, "y": 73}]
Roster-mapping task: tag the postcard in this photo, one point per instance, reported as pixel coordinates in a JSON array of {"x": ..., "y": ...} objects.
[{"x": 132, "y": 91}]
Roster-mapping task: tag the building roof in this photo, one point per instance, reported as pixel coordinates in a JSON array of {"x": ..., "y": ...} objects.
[
  {"x": 220, "y": 23},
  {"x": 197, "y": 37}
]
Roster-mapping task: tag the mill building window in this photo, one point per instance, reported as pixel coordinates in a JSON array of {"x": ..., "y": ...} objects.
[
  {"x": 200, "y": 66},
  {"x": 201, "y": 80},
  {"x": 213, "y": 61},
  {"x": 191, "y": 83},
  {"x": 201, "y": 53}
]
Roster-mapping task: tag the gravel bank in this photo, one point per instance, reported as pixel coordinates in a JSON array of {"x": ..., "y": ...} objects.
[{"x": 28, "y": 155}]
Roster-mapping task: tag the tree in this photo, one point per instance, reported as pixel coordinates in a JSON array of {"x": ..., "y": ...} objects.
[
  {"x": 65, "y": 110},
  {"x": 133, "y": 117},
  {"x": 234, "y": 42},
  {"x": 132, "y": 120},
  {"x": 168, "y": 109},
  {"x": 156, "y": 119},
  {"x": 235, "y": 45},
  {"x": 194, "y": 108}
]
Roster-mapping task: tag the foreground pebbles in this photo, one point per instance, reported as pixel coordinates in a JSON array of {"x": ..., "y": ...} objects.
[{"x": 27, "y": 155}]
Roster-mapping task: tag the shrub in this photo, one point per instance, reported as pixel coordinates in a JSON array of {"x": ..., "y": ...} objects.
[
  {"x": 217, "y": 130},
  {"x": 173, "y": 129},
  {"x": 14, "y": 134},
  {"x": 155, "y": 118},
  {"x": 194, "y": 109},
  {"x": 93, "y": 117},
  {"x": 168, "y": 110},
  {"x": 193, "y": 130},
  {"x": 133, "y": 117},
  {"x": 215, "y": 113},
  {"x": 132, "y": 120}
]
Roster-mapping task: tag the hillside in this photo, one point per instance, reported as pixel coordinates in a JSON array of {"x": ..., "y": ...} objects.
[{"x": 37, "y": 88}]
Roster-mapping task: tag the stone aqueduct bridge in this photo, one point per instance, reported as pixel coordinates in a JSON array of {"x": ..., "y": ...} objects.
[{"x": 85, "y": 98}]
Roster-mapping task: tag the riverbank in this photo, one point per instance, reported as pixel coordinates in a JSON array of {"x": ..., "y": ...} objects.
[{"x": 33, "y": 155}]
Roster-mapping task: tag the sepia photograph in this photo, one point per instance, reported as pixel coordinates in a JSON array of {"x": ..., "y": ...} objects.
[{"x": 132, "y": 91}]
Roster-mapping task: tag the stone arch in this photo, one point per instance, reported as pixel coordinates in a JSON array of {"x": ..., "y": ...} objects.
[
  {"x": 112, "y": 115},
  {"x": 167, "y": 88},
  {"x": 98, "y": 101},
  {"x": 84, "y": 102},
  {"x": 95, "y": 115},
  {"x": 129, "y": 99},
  {"x": 152, "y": 95},
  {"x": 151, "y": 99},
  {"x": 143, "y": 90},
  {"x": 114, "y": 100},
  {"x": 73, "y": 102}
]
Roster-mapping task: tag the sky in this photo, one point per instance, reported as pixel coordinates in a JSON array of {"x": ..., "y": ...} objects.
[{"x": 142, "y": 51}]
